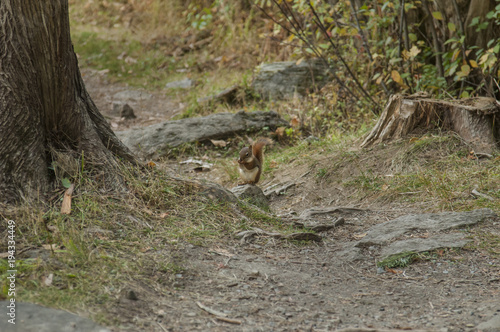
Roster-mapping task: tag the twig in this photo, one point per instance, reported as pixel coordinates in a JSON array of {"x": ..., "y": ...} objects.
[
  {"x": 464, "y": 48},
  {"x": 210, "y": 310},
  {"x": 229, "y": 320},
  {"x": 299, "y": 34},
  {"x": 335, "y": 48},
  {"x": 478, "y": 194},
  {"x": 435, "y": 41},
  {"x": 365, "y": 43},
  {"x": 403, "y": 30},
  {"x": 164, "y": 329},
  {"x": 218, "y": 315}
]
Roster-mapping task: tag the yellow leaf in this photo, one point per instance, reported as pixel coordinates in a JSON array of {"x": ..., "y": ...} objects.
[
  {"x": 437, "y": 15},
  {"x": 473, "y": 63},
  {"x": 484, "y": 58},
  {"x": 452, "y": 27},
  {"x": 465, "y": 70},
  {"x": 414, "y": 51},
  {"x": 396, "y": 77}
]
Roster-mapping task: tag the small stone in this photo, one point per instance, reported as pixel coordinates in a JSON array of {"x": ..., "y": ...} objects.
[
  {"x": 380, "y": 270},
  {"x": 131, "y": 295},
  {"x": 127, "y": 112}
]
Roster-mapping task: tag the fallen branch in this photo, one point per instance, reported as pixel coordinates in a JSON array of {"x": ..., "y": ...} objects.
[
  {"x": 218, "y": 315},
  {"x": 319, "y": 210},
  {"x": 245, "y": 235}
]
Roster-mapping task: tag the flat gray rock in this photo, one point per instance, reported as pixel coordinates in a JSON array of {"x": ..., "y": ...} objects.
[
  {"x": 422, "y": 245},
  {"x": 283, "y": 80},
  {"x": 35, "y": 318},
  {"x": 157, "y": 140},
  {"x": 492, "y": 325},
  {"x": 253, "y": 194},
  {"x": 182, "y": 84},
  {"x": 386, "y": 232}
]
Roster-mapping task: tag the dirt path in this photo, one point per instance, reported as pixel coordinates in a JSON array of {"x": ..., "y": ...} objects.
[{"x": 274, "y": 285}]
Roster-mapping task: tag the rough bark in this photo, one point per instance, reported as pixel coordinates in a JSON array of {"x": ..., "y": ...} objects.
[
  {"x": 474, "y": 119},
  {"x": 43, "y": 101}
]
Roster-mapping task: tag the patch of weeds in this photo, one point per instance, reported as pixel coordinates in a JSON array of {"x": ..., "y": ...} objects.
[
  {"x": 400, "y": 260},
  {"x": 367, "y": 181},
  {"x": 486, "y": 241},
  {"x": 321, "y": 173},
  {"x": 171, "y": 268},
  {"x": 103, "y": 244},
  {"x": 259, "y": 217},
  {"x": 125, "y": 59}
]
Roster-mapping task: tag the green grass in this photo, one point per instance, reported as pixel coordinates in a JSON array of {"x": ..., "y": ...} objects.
[
  {"x": 126, "y": 59},
  {"x": 109, "y": 241},
  {"x": 400, "y": 260}
]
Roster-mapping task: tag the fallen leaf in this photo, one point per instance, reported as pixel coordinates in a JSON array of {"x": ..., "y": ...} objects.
[
  {"x": 294, "y": 122},
  {"x": 280, "y": 131},
  {"x": 66, "y": 203},
  {"x": 359, "y": 236},
  {"x": 219, "y": 143},
  {"x": 47, "y": 281},
  {"x": 393, "y": 271},
  {"x": 50, "y": 246},
  {"x": 151, "y": 164}
]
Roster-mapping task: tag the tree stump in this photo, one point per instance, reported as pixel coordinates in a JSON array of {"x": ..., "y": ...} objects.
[{"x": 475, "y": 120}]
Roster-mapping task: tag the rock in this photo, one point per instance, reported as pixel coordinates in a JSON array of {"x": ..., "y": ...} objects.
[
  {"x": 387, "y": 231},
  {"x": 492, "y": 325},
  {"x": 199, "y": 165},
  {"x": 155, "y": 141},
  {"x": 278, "y": 190},
  {"x": 226, "y": 96},
  {"x": 32, "y": 317},
  {"x": 131, "y": 95},
  {"x": 127, "y": 112},
  {"x": 131, "y": 295},
  {"x": 182, "y": 84},
  {"x": 253, "y": 194},
  {"x": 283, "y": 80},
  {"x": 422, "y": 245}
]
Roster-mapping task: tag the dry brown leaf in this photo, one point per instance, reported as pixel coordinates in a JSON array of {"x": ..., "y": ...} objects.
[
  {"x": 280, "y": 131},
  {"x": 47, "y": 281},
  {"x": 219, "y": 143},
  {"x": 50, "y": 246},
  {"x": 66, "y": 204}
]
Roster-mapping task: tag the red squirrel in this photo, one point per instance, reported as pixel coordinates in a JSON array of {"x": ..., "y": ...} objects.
[{"x": 251, "y": 161}]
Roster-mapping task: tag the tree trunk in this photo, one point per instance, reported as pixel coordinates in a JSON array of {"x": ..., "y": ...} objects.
[
  {"x": 44, "y": 106},
  {"x": 474, "y": 119}
]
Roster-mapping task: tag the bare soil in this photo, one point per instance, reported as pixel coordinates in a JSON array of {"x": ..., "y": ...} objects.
[{"x": 275, "y": 285}]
